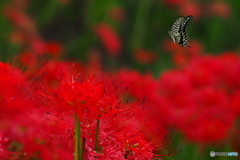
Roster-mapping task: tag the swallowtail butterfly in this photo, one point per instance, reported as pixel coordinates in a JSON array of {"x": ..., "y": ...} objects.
[{"x": 178, "y": 33}]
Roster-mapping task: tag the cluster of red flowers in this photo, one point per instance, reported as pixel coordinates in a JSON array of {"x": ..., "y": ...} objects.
[
  {"x": 182, "y": 55},
  {"x": 3, "y": 149},
  {"x": 25, "y": 34},
  {"x": 41, "y": 115},
  {"x": 200, "y": 98},
  {"x": 20, "y": 120},
  {"x": 101, "y": 113}
]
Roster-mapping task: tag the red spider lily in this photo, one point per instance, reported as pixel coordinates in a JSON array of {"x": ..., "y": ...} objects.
[
  {"x": 22, "y": 121},
  {"x": 94, "y": 99},
  {"x": 4, "y": 152},
  {"x": 19, "y": 18},
  {"x": 94, "y": 62},
  {"x": 48, "y": 73},
  {"x": 192, "y": 8},
  {"x": 235, "y": 103},
  {"x": 134, "y": 146},
  {"x": 127, "y": 144},
  {"x": 26, "y": 35},
  {"x": 29, "y": 140},
  {"x": 186, "y": 7},
  {"x": 109, "y": 38},
  {"x": 218, "y": 8},
  {"x": 181, "y": 55},
  {"x": 146, "y": 86},
  {"x": 54, "y": 49},
  {"x": 12, "y": 95},
  {"x": 37, "y": 45},
  {"x": 29, "y": 59},
  {"x": 211, "y": 101},
  {"x": 18, "y": 115},
  {"x": 144, "y": 56},
  {"x": 198, "y": 99}
]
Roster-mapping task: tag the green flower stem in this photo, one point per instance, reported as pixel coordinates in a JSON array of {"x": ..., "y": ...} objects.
[
  {"x": 97, "y": 136},
  {"x": 78, "y": 152}
]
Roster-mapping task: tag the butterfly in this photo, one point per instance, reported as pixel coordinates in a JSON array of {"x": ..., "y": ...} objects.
[{"x": 178, "y": 32}]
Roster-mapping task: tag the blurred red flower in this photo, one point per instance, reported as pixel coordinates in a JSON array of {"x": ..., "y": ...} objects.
[
  {"x": 28, "y": 59},
  {"x": 4, "y": 152},
  {"x": 53, "y": 48},
  {"x": 190, "y": 8},
  {"x": 144, "y": 56},
  {"x": 49, "y": 75},
  {"x": 94, "y": 62},
  {"x": 26, "y": 35},
  {"x": 18, "y": 18},
  {"x": 198, "y": 99},
  {"x": 109, "y": 38},
  {"x": 182, "y": 55},
  {"x": 218, "y": 8}
]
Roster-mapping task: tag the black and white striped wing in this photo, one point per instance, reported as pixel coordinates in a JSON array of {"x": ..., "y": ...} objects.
[
  {"x": 183, "y": 31},
  {"x": 175, "y": 30},
  {"x": 184, "y": 40},
  {"x": 185, "y": 23}
]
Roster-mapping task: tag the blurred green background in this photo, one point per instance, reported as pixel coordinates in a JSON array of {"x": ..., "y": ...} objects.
[{"x": 138, "y": 23}]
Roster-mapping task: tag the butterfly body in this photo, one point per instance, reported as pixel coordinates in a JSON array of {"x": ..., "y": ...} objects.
[{"x": 178, "y": 32}]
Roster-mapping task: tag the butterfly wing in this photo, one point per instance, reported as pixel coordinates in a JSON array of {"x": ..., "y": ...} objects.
[
  {"x": 184, "y": 40},
  {"x": 175, "y": 30},
  {"x": 178, "y": 31},
  {"x": 175, "y": 37},
  {"x": 185, "y": 23}
]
